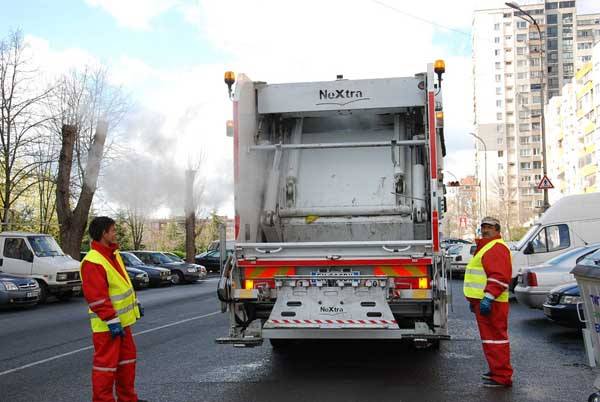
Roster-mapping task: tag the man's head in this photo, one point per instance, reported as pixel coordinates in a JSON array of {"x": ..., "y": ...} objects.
[
  {"x": 102, "y": 229},
  {"x": 490, "y": 227}
]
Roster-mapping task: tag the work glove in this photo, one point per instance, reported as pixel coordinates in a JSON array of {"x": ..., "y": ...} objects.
[
  {"x": 116, "y": 329},
  {"x": 472, "y": 308},
  {"x": 141, "y": 309},
  {"x": 485, "y": 307}
]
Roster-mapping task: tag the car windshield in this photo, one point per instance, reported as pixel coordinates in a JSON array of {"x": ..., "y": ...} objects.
[
  {"x": 526, "y": 237},
  {"x": 454, "y": 250},
  {"x": 161, "y": 258},
  {"x": 131, "y": 259},
  {"x": 172, "y": 257},
  {"x": 565, "y": 256},
  {"x": 44, "y": 246},
  {"x": 592, "y": 260}
]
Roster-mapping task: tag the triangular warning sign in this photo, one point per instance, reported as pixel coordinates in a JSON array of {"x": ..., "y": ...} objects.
[{"x": 545, "y": 183}]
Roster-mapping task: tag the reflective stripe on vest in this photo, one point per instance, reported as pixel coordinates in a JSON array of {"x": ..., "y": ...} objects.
[
  {"x": 120, "y": 292},
  {"x": 475, "y": 277}
]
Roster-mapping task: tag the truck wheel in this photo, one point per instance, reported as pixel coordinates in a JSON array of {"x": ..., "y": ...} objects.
[
  {"x": 43, "y": 291},
  {"x": 595, "y": 397},
  {"x": 279, "y": 345},
  {"x": 434, "y": 344},
  {"x": 177, "y": 278},
  {"x": 66, "y": 296}
]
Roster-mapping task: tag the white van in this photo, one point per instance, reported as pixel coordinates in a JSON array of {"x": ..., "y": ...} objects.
[
  {"x": 573, "y": 221},
  {"x": 39, "y": 256}
]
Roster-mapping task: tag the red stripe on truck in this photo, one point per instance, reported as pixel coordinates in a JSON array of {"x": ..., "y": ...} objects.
[{"x": 432, "y": 136}]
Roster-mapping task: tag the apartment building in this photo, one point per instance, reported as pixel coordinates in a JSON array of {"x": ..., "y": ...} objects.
[
  {"x": 511, "y": 65},
  {"x": 573, "y": 132},
  {"x": 588, "y": 34}
]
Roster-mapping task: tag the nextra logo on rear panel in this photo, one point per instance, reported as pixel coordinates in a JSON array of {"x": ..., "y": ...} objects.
[{"x": 340, "y": 97}]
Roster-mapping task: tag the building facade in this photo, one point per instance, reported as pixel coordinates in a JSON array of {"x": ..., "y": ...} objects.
[
  {"x": 573, "y": 132},
  {"x": 512, "y": 64}
]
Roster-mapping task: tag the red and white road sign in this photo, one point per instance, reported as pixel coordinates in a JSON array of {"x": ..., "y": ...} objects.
[{"x": 545, "y": 183}]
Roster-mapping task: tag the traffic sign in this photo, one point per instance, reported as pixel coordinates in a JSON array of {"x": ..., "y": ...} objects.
[{"x": 545, "y": 183}]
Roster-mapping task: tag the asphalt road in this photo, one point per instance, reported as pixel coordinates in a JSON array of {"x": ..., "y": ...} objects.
[{"x": 45, "y": 355}]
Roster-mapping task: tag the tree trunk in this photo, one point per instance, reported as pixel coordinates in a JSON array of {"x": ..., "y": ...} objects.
[
  {"x": 190, "y": 217},
  {"x": 74, "y": 222}
]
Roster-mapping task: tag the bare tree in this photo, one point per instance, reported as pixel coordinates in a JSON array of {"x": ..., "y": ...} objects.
[
  {"x": 21, "y": 116},
  {"x": 46, "y": 170},
  {"x": 74, "y": 221}
]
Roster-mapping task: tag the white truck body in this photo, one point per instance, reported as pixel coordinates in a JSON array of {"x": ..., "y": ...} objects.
[
  {"x": 37, "y": 255},
  {"x": 573, "y": 221},
  {"x": 338, "y": 199}
]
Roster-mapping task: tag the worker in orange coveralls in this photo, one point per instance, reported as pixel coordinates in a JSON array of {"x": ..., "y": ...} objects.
[
  {"x": 487, "y": 277},
  {"x": 113, "y": 309}
]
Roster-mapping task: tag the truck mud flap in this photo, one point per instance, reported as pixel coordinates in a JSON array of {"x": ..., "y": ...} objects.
[{"x": 331, "y": 308}]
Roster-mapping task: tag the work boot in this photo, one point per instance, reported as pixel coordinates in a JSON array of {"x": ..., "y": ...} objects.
[
  {"x": 142, "y": 400},
  {"x": 487, "y": 376},
  {"x": 494, "y": 384}
]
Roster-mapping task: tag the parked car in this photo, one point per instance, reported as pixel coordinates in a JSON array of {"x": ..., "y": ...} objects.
[
  {"x": 561, "y": 306},
  {"x": 180, "y": 271},
  {"x": 534, "y": 283},
  {"x": 38, "y": 256},
  {"x": 216, "y": 244},
  {"x": 211, "y": 259},
  {"x": 18, "y": 291},
  {"x": 460, "y": 255},
  {"x": 158, "y": 276},
  {"x": 178, "y": 259},
  {"x": 451, "y": 241},
  {"x": 571, "y": 222}
]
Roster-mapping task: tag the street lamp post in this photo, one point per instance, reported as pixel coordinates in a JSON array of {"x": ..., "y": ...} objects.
[
  {"x": 543, "y": 86},
  {"x": 484, "y": 169}
]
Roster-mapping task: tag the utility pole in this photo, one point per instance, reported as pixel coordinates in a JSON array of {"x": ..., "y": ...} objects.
[
  {"x": 484, "y": 170},
  {"x": 542, "y": 89}
]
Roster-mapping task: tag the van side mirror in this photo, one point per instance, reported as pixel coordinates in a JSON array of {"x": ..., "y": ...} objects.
[{"x": 528, "y": 248}]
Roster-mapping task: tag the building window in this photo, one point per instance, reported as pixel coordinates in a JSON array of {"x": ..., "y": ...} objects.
[
  {"x": 525, "y": 152},
  {"x": 496, "y": 39},
  {"x": 524, "y": 140},
  {"x": 552, "y": 19},
  {"x": 498, "y": 91},
  {"x": 498, "y": 103},
  {"x": 535, "y": 151},
  {"x": 552, "y": 44},
  {"x": 537, "y": 165},
  {"x": 496, "y": 27},
  {"x": 535, "y": 126},
  {"x": 536, "y": 138},
  {"x": 500, "y": 166},
  {"x": 500, "y": 154},
  {"x": 525, "y": 165},
  {"x": 526, "y": 178},
  {"x": 584, "y": 45},
  {"x": 497, "y": 52},
  {"x": 521, "y": 37},
  {"x": 567, "y": 4},
  {"x": 567, "y": 18},
  {"x": 498, "y": 65},
  {"x": 521, "y": 51},
  {"x": 523, "y": 114},
  {"x": 551, "y": 6},
  {"x": 536, "y": 87},
  {"x": 498, "y": 78},
  {"x": 521, "y": 24},
  {"x": 524, "y": 127},
  {"x": 498, "y": 116}
]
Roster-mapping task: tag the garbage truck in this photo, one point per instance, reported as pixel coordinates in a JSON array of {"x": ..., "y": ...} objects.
[{"x": 339, "y": 201}]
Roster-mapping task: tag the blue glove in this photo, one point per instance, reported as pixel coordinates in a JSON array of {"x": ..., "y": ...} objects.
[
  {"x": 472, "y": 308},
  {"x": 141, "y": 309},
  {"x": 485, "y": 307},
  {"x": 116, "y": 329}
]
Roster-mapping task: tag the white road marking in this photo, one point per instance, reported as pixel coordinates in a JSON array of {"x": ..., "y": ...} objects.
[{"x": 37, "y": 363}]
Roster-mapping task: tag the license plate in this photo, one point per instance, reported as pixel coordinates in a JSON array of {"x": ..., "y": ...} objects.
[
  {"x": 76, "y": 288},
  {"x": 32, "y": 294},
  {"x": 547, "y": 311}
]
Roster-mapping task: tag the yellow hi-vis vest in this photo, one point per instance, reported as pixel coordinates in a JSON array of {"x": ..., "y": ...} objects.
[
  {"x": 475, "y": 277},
  {"x": 120, "y": 291}
]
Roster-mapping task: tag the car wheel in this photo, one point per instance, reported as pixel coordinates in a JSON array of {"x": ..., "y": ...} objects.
[
  {"x": 43, "y": 291},
  {"x": 66, "y": 296},
  {"x": 177, "y": 278}
]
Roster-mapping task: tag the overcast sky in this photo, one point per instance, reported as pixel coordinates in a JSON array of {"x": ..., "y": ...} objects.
[{"x": 170, "y": 56}]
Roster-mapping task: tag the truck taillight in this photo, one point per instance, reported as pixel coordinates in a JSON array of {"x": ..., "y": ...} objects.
[
  {"x": 259, "y": 283},
  {"x": 532, "y": 279},
  {"x": 411, "y": 283}
]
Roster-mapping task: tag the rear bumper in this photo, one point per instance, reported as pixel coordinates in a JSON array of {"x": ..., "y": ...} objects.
[
  {"x": 528, "y": 297},
  {"x": 310, "y": 333},
  {"x": 158, "y": 281}
]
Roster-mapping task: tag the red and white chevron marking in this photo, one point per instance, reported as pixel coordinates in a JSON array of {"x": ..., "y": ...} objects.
[{"x": 338, "y": 322}]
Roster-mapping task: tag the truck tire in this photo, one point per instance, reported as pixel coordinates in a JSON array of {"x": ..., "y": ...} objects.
[
  {"x": 280, "y": 345},
  {"x": 43, "y": 291},
  {"x": 434, "y": 344}
]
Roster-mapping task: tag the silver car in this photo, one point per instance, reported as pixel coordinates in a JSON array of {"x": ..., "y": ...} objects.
[{"x": 535, "y": 283}]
